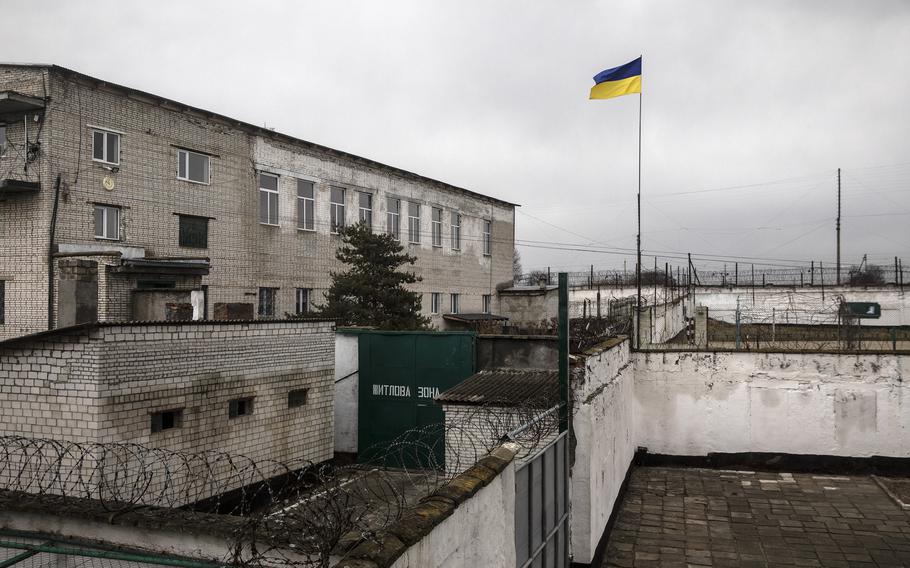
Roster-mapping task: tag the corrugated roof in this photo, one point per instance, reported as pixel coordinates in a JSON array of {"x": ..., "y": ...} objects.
[{"x": 506, "y": 387}]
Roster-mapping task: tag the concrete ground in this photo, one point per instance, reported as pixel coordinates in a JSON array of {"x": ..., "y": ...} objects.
[{"x": 698, "y": 517}]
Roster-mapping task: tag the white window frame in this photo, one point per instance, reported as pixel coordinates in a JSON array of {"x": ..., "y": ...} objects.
[
  {"x": 105, "y": 147},
  {"x": 263, "y": 291},
  {"x": 435, "y": 300},
  {"x": 487, "y": 303},
  {"x": 456, "y": 230},
  {"x": 272, "y": 194},
  {"x": 436, "y": 226},
  {"x": 365, "y": 213},
  {"x": 393, "y": 218},
  {"x": 3, "y": 140},
  {"x": 309, "y": 204},
  {"x": 105, "y": 212},
  {"x": 305, "y": 294},
  {"x": 414, "y": 224},
  {"x": 453, "y": 303},
  {"x": 487, "y": 237},
  {"x": 337, "y": 210},
  {"x": 184, "y": 156}
]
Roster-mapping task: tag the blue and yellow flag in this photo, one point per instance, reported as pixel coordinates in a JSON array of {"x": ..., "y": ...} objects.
[{"x": 618, "y": 81}]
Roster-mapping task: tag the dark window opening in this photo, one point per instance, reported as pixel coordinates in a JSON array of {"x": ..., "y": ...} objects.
[
  {"x": 156, "y": 284},
  {"x": 167, "y": 420},
  {"x": 2, "y": 302},
  {"x": 267, "y": 301},
  {"x": 240, "y": 407},
  {"x": 297, "y": 397},
  {"x": 194, "y": 231}
]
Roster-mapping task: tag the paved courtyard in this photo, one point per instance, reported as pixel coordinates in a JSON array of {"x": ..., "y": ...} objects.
[{"x": 699, "y": 517}]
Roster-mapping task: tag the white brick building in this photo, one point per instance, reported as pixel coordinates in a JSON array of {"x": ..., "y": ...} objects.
[
  {"x": 262, "y": 389},
  {"x": 178, "y": 212}
]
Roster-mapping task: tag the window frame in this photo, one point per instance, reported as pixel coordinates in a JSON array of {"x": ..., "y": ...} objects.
[
  {"x": 3, "y": 139},
  {"x": 435, "y": 301},
  {"x": 186, "y": 153},
  {"x": 413, "y": 224},
  {"x": 263, "y": 292},
  {"x": 180, "y": 231},
  {"x": 105, "y": 148},
  {"x": 337, "y": 210},
  {"x": 361, "y": 209},
  {"x": 234, "y": 407},
  {"x": 104, "y": 221},
  {"x": 157, "y": 426},
  {"x": 307, "y": 292},
  {"x": 270, "y": 195},
  {"x": 308, "y": 204},
  {"x": 456, "y": 230},
  {"x": 2, "y": 302},
  {"x": 454, "y": 303},
  {"x": 393, "y": 219},
  {"x": 487, "y": 237},
  {"x": 294, "y": 396},
  {"x": 436, "y": 226},
  {"x": 487, "y": 303}
]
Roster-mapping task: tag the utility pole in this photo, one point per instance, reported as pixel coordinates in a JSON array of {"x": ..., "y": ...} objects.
[{"x": 838, "y": 226}]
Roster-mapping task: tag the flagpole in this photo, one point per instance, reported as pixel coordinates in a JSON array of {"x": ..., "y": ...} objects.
[{"x": 638, "y": 247}]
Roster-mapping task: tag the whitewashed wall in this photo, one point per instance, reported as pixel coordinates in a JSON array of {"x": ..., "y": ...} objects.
[
  {"x": 603, "y": 423},
  {"x": 830, "y": 404},
  {"x": 347, "y": 379}
]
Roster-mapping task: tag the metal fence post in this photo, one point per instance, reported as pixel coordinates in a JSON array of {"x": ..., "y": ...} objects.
[{"x": 563, "y": 351}]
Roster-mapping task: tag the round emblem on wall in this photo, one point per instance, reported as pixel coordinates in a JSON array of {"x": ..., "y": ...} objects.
[{"x": 108, "y": 183}]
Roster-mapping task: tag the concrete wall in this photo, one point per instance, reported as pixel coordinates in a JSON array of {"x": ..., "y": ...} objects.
[
  {"x": 830, "y": 404},
  {"x": 662, "y": 322},
  {"x": 530, "y": 306},
  {"x": 516, "y": 351},
  {"x": 803, "y": 305},
  {"x": 480, "y": 532},
  {"x": 603, "y": 423},
  {"x": 347, "y": 382}
]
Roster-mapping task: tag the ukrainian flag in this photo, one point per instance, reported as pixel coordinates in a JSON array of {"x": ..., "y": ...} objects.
[{"x": 618, "y": 81}]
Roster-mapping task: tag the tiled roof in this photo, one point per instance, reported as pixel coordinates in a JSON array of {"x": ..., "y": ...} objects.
[{"x": 506, "y": 387}]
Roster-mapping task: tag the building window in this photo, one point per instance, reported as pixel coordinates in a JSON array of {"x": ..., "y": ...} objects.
[
  {"x": 487, "y": 303},
  {"x": 436, "y": 219},
  {"x": 337, "y": 211},
  {"x": 487, "y": 237},
  {"x": 240, "y": 407},
  {"x": 2, "y": 140},
  {"x": 267, "y": 300},
  {"x": 2, "y": 302},
  {"x": 167, "y": 420},
  {"x": 366, "y": 208},
  {"x": 306, "y": 205},
  {"x": 193, "y": 166},
  {"x": 453, "y": 303},
  {"x": 268, "y": 199},
  {"x": 106, "y": 147},
  {"x": 456, "y": 231},
  {"x": 107, "y": 222},
  {"x": 194, "y": 231},
  {"x": 414, "y": 223},
  {"x": 435, "y": 300},
  {"x": 393, "y": 218},
  {"x": 303, "y": 300},
  {"x": 297, "y": 397}
]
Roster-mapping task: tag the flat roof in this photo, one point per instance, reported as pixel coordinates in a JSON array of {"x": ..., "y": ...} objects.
[{"x": 164, "y": 101}]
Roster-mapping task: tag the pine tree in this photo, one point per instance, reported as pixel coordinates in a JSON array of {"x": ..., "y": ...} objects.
[{"x": 371, "y": 292}]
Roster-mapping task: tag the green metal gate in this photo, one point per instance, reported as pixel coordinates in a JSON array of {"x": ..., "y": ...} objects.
[{"x": 400, "y": 375}]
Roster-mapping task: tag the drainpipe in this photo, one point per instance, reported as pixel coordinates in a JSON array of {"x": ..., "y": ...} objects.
[{"x": 50, "y": 256}]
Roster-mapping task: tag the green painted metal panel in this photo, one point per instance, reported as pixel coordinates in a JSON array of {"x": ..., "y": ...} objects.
[
  {"x": 400, "y": 375},
  {"x": 870, "y": 310}
]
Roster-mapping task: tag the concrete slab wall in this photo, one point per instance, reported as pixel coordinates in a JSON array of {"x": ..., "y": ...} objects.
[
  {"x": 347, "y": 380},
  {"x": 604, "y": 428},
  {"x": 826, "y": 404}
]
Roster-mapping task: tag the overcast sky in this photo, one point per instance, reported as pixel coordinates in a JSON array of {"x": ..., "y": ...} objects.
[{"x": 758, "y": 103}]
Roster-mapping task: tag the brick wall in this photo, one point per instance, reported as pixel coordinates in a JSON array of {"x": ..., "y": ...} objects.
[
  {"x": 103, "y": 384},
  {"x": 245, "y": 255}
]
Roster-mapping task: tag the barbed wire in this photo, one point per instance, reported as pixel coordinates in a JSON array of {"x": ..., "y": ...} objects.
[{"x": 293, "y": 513}]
